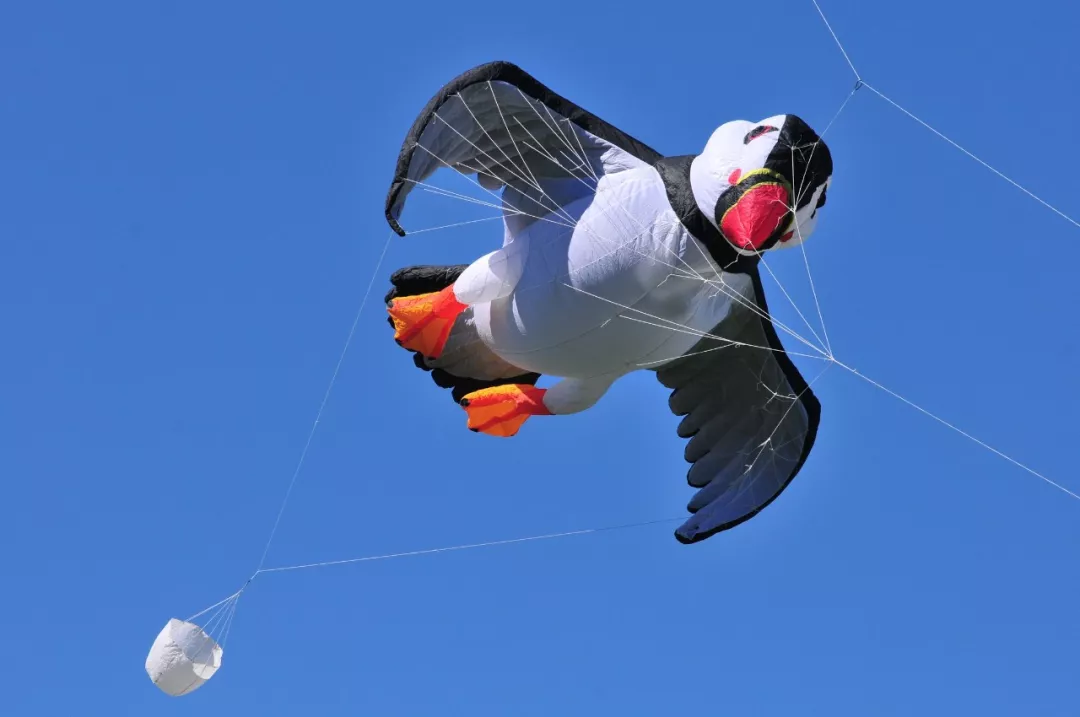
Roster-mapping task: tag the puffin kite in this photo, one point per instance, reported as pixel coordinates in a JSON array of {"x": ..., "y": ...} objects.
[{"x": 617, "y": 259}]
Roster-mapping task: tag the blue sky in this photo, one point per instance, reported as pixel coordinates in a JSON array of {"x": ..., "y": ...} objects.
[{"x": 192, "y": 208}]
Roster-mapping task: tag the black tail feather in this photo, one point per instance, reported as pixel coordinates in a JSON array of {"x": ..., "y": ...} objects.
[{"x": 413, "y": 280}]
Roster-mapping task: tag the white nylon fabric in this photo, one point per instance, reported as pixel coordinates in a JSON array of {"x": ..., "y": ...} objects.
[
  {"x": 182, "y": 658},
  {"x": 569, "y": 315},
  {"x": 725, "y": 153}
]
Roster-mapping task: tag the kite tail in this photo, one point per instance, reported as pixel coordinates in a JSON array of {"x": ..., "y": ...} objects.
[{"x": 464, "y": 363}]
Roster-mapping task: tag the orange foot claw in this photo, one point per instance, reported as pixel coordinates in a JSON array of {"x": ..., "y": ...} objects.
[
  {"x": 423, "y": 322},
  {"x": 501, "y": 410}
]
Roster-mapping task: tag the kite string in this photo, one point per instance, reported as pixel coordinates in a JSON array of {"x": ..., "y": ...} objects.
[
  {"x": 984, "y": 163},
  {"x": 802, "y": 244},
  {"x": 860, "y": 82},
  {"x": 953, "y": 427},
  {"x": 832, "y": 32},
  {"x": 318, "y": 415},
  {"x": 217, "y": 604},
  {"x": 471, "y": 546},
  {"x": 230, "y": 603}
]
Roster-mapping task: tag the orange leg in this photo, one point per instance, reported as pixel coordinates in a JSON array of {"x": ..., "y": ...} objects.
[
  {"x": 423, "y": 322},
  {"x": 501, "y": 410}
]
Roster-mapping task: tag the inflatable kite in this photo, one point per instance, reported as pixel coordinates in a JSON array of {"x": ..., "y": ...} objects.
[{"x": 616, "y": 259}]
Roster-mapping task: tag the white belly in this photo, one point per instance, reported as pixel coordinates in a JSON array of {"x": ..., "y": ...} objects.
[{"x": 624, "y": 289}]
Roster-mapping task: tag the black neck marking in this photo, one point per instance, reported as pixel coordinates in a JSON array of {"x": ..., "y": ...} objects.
[{"x": 675, "y": 172}]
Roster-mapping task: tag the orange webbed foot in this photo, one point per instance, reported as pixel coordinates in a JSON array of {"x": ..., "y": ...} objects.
[
  {"x": 501, "y": 410},
  {"x": 423, "y": 322}
]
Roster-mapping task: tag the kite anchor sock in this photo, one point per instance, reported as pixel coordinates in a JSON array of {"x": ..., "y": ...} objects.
[{"x": 423, "y": 322}]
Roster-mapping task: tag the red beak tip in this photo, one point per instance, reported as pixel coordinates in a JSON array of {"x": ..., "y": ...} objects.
[{"x": 755, "y": 216}]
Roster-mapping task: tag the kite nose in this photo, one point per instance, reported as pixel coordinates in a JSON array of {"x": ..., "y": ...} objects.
[{"x": 752, "y": 214}]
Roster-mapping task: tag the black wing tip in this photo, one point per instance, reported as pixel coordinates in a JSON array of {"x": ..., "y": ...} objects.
[
  {"x": 397, "y": 228},
  {"x": 686, "y": 539},
  {"x": 424, "y": 278},
  {"x": 494, "y": 67},
  {"x": 691, "y": 536}
]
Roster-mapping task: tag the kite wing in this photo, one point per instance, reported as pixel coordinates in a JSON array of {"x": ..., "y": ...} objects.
[
  {"x": 750, "y": 416},
  {"x": 499, "y": 123}
]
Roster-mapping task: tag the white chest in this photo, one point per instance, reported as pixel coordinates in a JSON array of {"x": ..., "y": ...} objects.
[{"x": 624, "y": 288}]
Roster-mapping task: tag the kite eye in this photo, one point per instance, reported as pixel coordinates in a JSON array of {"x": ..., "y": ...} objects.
[
  {"x": 821, "y": 199},
  {"x": 757, "y": 132}
]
